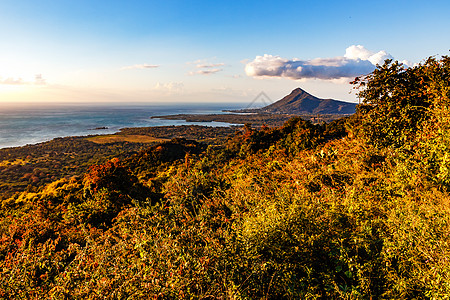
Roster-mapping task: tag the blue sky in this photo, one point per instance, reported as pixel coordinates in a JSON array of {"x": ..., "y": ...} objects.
[{"x": 213, "y": 51}]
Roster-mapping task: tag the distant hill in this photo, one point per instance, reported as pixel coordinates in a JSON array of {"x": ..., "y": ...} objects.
[{"x": 300, "y": 102}]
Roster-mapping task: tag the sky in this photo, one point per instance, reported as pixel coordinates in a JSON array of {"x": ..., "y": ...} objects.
[{"x": 206, "y": 51}]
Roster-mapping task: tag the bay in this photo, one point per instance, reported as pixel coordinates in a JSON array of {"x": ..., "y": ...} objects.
[{"x": 22, "y": 124}]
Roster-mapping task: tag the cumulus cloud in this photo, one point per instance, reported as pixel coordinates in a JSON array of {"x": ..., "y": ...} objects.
[
  {"x": 359, "y": 52},
  {"x": 140, "y": 66},
  {"x": 356, "y": 61}
]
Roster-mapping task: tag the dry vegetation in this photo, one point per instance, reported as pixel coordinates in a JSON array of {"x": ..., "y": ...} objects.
[
  {"x": 108, "y": 139},
  {"x": 31, "y": 167},
  {"x": 296, "y": 212}
]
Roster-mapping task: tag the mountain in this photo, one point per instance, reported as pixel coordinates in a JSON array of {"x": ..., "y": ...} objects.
[{"x": 301, "y": 102}]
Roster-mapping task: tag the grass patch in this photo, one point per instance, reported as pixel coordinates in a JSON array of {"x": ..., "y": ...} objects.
[{"x": 113, "y": 138}]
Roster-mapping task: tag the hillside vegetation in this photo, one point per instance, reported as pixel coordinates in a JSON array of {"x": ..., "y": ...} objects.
[
  {"x": 355, "y": 209},
  {"x": 33, "y": 166}
]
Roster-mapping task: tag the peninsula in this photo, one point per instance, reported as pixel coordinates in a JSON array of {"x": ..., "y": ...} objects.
[{"x": 297, "y": 103}]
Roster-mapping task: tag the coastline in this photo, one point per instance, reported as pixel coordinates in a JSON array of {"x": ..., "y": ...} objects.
[
  {"x": 256, "y": 119},
  {"x": 23, "y": 125},
  {"x": 64, "y": 157}
]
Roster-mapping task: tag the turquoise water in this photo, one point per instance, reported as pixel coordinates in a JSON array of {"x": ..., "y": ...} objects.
[{"x": 29, "y": 124}]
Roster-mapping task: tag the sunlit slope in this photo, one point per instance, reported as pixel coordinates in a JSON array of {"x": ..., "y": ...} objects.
[{"x": 356, "y": 209}]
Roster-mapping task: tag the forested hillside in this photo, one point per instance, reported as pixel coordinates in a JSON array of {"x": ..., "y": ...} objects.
[
  {"x": 33, "y": 166},
  {"x": 356, "y": 209}
]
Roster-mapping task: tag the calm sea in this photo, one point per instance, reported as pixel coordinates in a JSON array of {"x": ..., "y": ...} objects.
[{"x": 29, "y": 124}]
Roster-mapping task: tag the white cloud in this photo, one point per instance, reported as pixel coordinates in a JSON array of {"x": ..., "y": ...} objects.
[
  {"x": 205, "y": 67},
  {"x": 12, "y": 81},
  {"x": 205, "y": 72},
  {"x": 356, "y": 61},
  {"x": 409, "y": 63},
  {"x": 38, "y": 80},
  {"x": 140, "y": 66},
  {"x": 359, "y": 52},
  {"x": 208, "y": 66}
]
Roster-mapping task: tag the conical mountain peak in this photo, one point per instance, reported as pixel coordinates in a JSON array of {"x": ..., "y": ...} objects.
[{"x": 301, "y": 102}]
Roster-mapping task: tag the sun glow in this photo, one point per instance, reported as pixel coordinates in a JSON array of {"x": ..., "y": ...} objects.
[{"x": 11, "y": 88}]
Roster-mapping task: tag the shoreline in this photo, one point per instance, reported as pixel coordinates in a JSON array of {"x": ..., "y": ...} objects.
[
  {"x": 141, "y": 134},
  {"x": 22, "y": 125},
  {"x": 108, "y": 131},
  {"x": 229, "y": 119},
  {"x": 256, "y": 119}
]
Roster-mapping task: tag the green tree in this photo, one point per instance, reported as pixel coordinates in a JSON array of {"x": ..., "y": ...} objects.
[{"x": 394, "y": 103}]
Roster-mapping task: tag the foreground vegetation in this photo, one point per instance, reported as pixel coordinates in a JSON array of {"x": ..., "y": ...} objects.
[{"x": 296, "y": 212}]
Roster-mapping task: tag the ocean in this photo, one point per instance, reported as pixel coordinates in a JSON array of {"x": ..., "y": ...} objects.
[{"x": 23, "y": 124}]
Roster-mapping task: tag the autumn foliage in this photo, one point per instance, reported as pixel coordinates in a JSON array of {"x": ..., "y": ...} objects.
[{"x": 301, "y": 211}]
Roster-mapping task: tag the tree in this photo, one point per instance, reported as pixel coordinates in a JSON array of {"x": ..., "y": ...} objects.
[{"x": 395, "y": 102}]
